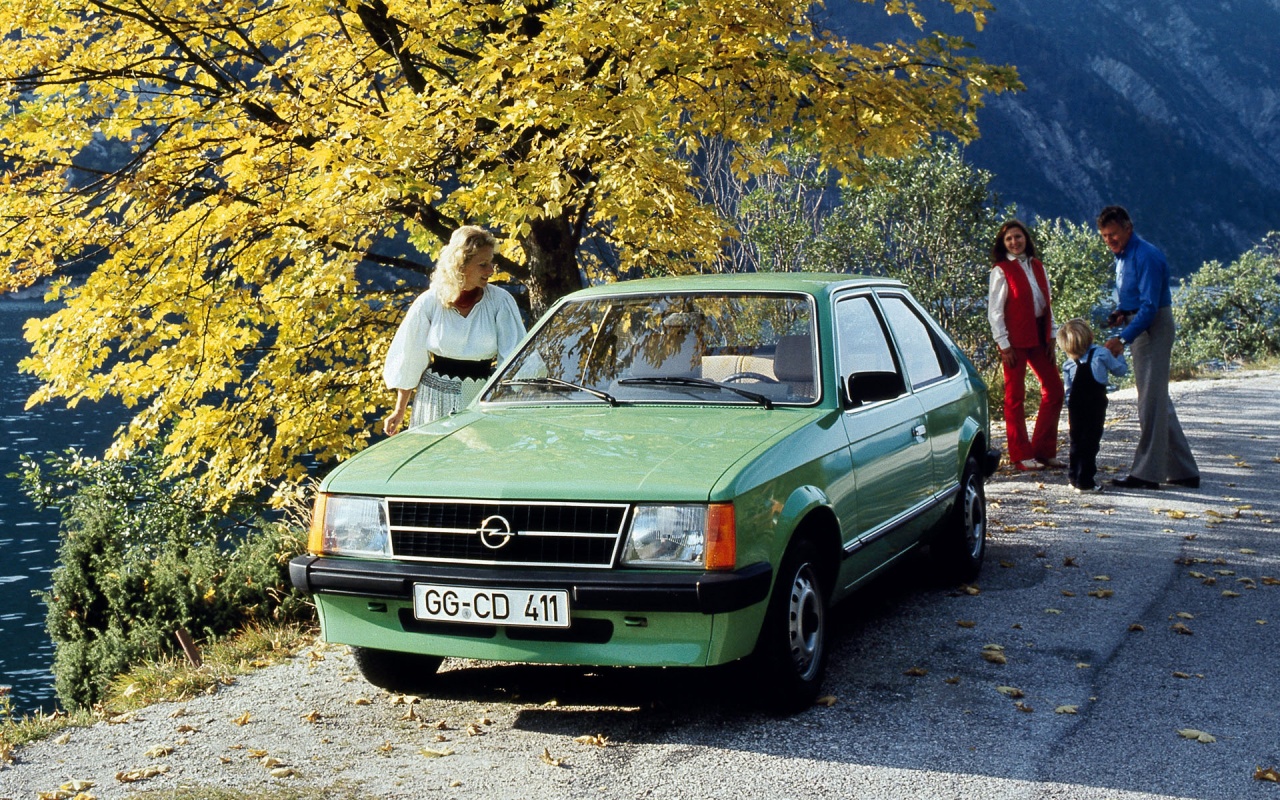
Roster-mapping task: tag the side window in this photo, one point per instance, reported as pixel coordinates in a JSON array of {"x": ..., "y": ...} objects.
[
  {"x": 916, "y": 340},
  {"x": 861, "y": 337}
]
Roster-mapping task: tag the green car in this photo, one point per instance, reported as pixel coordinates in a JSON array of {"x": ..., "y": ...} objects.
[{"x": 669, "y": 472}]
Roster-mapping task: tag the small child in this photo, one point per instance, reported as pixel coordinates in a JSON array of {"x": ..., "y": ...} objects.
[{"x": 1085, "y": 375}]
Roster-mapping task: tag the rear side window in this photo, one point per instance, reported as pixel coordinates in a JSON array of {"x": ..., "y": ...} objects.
[{"x": 927, "y": 358}]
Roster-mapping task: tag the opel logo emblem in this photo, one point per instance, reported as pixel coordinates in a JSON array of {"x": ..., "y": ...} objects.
[{"x": 495, "y": 532}]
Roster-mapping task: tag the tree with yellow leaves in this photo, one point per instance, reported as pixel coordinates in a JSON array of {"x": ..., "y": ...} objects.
[{"x": 224, "y": 166}]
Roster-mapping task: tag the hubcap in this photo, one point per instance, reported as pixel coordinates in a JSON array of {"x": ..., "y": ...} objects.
[
  {"x": 805, "y": 624},
  {"x": 975, "y": 518}
]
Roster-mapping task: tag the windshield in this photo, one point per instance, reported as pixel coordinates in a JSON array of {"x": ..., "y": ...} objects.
[{"x": 742, "y": 348}]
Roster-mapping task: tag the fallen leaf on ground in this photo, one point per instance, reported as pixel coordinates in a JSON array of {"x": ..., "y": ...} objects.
[
  {"x": 160, "y": 751},
  {"x": 1185, "y": 615},
  {"x": 1102, "y": 577},
  {"x": 362, "y": 701},
  {"x": 1011, "y": 691},
  {"x": 1199, "y": 736},
  {"x": 135, "y": 775},
  {"x": 1102, "y": 593},
  {"x": 1066, "y": 709},
  {"x": 1181, "y": 675},
  {"x": 594, "y": 739},
  {"x": 1178, "y": 627},
  {"x": 550, "y": 760},
  {"x": 312, "y": 716},
  {"x": 283, "y": 772},
  {"x": 966, "y": 623},
  {"x": 969, "y": 589},
  {"x": 1229, "y": 593},
  {"x": 827, "y": 700},
  {"x": 1268, "y": 774},
  {"x": 429, "y": 753},
  {"x": 1136, "y": 628},
  {"x": 1023, "y": 707},
  {"x": 916, "y": 672},
  {"x": 242, "y": 720}
]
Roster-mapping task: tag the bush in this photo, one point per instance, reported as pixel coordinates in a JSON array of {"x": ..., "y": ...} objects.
[
  {"x": 141, "y": 557},
  {"x": 1231, "y": 313}
]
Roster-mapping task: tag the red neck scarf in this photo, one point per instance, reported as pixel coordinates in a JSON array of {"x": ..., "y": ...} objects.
[{"x": 467, "y": 300}]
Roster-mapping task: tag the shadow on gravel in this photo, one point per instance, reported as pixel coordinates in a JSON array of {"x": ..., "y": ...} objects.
[{"x": 640, "y": 704}]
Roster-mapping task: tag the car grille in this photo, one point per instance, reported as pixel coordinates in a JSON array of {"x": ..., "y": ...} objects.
[{"x": 543, "y": 534}]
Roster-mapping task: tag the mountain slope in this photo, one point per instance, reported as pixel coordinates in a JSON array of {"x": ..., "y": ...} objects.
[{"x": 1169, "y": 107}]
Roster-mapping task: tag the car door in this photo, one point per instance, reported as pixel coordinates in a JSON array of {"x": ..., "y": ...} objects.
[
  {"x": 885, "y": 425},
  {"x": 934, "y": 377}
]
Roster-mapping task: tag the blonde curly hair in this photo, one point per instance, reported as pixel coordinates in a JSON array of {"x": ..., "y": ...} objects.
[{"x": 447, "y": 278}]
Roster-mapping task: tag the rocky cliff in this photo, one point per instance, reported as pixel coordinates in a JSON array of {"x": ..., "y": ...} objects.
[{"x": 1169, "y": 107}]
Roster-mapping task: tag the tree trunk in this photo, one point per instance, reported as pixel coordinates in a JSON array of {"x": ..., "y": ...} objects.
[{"x": 551, "y": 257}]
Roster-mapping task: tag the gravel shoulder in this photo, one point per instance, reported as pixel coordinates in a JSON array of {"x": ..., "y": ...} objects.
[{"x": 1083, "y": 593}]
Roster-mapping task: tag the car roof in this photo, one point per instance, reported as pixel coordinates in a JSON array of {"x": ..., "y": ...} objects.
[{"x": 814, "y": 283}]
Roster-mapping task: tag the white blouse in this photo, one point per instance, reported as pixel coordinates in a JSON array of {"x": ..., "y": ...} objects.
[{"x": 493, "y": 328}]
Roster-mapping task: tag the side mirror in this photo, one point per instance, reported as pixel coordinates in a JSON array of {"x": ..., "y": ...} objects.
[{"x": 873, "y": 387}]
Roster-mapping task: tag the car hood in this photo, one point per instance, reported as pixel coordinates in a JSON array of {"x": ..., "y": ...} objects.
[{"x": 628, "y": 453}]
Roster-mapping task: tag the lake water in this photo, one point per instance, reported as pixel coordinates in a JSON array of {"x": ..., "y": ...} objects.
[{"x": 28, "y": 538}]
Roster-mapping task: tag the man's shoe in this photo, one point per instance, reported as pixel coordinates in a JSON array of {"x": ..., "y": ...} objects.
[
  {"x": 1189, "y": 483},
  {"x": 1029, "y": 465},
  {"x": 1053, "y": 463},
  {"x": 1134, "y": 482}
]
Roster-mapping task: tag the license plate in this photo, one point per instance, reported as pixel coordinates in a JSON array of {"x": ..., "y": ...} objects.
[{"x": 524, "y": 607}]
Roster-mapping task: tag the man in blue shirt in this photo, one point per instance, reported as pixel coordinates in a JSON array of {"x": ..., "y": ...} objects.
[{"x": 1146, "y": 312}]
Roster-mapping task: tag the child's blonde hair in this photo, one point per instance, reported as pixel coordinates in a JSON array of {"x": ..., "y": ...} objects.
[{"x": 1075, "y": 337}]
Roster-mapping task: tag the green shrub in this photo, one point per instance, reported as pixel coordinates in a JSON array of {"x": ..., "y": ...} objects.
[
  {"x": 140, "y": 557},
  {"x": 1228, "y": 314}
]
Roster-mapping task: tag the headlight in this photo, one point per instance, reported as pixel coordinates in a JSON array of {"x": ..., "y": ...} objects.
[
  {"x": 350, "y": 525},
  {"x": 697, "y": 536}
]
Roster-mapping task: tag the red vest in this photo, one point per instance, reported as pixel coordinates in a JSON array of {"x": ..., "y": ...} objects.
[{"x": 1020, "y": 308}]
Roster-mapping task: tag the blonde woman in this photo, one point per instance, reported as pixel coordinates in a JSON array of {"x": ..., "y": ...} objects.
[{"x": 455, "y": 334}]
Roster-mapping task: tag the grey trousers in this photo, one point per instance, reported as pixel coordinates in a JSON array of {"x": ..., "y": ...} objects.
[{"x": 1163, "y": 453}]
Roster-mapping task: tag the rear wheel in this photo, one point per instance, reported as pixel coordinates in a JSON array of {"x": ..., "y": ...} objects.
[
  {"x": 396, "y": 671},
  {"x": 792, "y": 649},
  {"x": 962, "y": 544}
]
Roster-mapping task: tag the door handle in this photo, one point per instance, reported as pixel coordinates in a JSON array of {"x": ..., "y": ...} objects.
[{"x": 919, "y": 431}]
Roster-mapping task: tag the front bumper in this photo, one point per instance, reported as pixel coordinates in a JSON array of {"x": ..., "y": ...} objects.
[{"x": 589, "y": 590}]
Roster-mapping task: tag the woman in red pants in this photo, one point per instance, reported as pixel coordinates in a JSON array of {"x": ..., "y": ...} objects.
[{"x": 1021, "y": 315}]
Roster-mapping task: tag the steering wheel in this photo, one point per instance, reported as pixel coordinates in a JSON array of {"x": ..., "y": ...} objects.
[{"x": 750, "y": 376}]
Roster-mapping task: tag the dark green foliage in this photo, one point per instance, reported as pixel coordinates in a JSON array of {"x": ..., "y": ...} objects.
[
  {"x": 141, "y": 557},
  {"x": 1231, "y": 313}
]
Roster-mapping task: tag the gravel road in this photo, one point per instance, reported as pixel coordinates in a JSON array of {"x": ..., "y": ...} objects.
[{"x": 1124, "y": 618}]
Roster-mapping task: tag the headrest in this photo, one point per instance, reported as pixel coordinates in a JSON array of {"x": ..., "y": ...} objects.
[{"x": 793, "y": 359}]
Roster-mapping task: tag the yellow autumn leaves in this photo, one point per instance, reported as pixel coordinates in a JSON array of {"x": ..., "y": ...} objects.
[{"x": 231, "y": 191}]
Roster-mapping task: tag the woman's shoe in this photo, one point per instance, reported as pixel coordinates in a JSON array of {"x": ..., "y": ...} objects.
[
  {"x": 1053, "y": 463},
  {"x": 1030, "y": 465}
]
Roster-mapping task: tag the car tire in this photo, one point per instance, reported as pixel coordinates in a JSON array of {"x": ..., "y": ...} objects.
[
  {"x": 396, "y": 671},
  {"x": 962, "y": 545},
  {"x": 792, "y": 648}
]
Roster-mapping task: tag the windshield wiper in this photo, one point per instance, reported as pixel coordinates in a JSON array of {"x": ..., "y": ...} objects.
[
  {"x": 675, "y": 380},
  {"x": 556, "y": 383}
]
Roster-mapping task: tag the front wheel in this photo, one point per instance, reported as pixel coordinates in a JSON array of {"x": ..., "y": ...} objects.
[
  {"x": 792, "y": 648},
  {"x": 962, "y": 544},
  {"x": 396, "y": 671}
]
